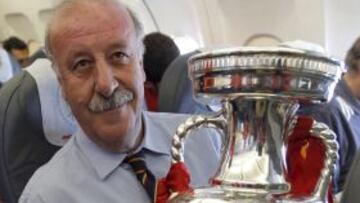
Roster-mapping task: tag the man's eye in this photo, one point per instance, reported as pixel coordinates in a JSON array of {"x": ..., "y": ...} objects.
[
  {"x": 120, "y": 57},
  {"x": 82, "y": 65}
]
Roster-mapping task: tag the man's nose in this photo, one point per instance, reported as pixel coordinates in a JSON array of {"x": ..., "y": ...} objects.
[{"x": 105, "y": 82}]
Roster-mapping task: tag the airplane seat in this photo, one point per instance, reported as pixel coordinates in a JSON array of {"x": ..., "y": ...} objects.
[
  {"x": 175, "y": 89},
  {"x": 34, "y": 123},
  {"x": 352, "y": 183}
]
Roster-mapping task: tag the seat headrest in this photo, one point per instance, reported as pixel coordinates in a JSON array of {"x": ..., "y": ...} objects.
[
  {"x": 58, "y": 123},
  {"x": 175, "y": 89},
  {"x": 6, "y": 71}
]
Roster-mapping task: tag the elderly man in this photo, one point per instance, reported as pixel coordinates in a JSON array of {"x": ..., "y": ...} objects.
[{"x": 96, "y": 49}]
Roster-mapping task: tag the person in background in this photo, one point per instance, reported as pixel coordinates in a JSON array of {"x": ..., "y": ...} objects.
[
  {"x": 119, "y": 151},
  {"x": 342, "y": 115},
  {"x": 160, "y": 51},
  {"x": 19, "y": 49}
]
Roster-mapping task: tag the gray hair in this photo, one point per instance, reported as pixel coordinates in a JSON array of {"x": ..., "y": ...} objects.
[{"x": 138, "y": 27}]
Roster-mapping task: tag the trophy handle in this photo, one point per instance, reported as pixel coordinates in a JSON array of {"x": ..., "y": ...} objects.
[
  {"x": 328, "y": 137},
  {"x": 217, "y": 121}
]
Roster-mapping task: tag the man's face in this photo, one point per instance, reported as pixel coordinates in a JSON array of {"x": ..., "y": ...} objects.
[
  {"x": 100, "y": 71},
  {"x": 22, "y": 56}
]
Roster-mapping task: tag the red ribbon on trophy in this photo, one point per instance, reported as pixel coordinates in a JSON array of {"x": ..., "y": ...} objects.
[
  {"x": 177, "y": 180},
  {"x": 305, "y": 158}
]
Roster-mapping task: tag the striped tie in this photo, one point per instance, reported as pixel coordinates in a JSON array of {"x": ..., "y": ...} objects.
[{"x": 143, "y": 174}]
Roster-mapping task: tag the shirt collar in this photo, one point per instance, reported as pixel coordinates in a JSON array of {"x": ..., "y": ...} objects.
[
  {"x": 105, "y": 162},
  {"x": 344, "y": 91}
]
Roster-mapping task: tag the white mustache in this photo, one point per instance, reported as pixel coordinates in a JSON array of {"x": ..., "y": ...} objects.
[{"x": 100, "y": 103}]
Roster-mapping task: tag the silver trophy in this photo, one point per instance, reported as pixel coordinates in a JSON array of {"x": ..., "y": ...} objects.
[{"x": 260, "y": 90}]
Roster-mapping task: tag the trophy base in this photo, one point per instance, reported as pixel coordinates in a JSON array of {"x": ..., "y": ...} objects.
[
  {"x": 219, "y": 194},
  {"x": 251, "y": 187}
]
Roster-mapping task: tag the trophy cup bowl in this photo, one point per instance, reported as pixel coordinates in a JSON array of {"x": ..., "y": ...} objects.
[{"x": 260, "y": 90}]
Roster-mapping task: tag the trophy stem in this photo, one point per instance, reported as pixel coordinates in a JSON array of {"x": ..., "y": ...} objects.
[{"x": 255, "y": 153}]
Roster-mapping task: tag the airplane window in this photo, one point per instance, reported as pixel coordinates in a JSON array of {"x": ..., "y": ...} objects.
[{"x": 186, "y": 44}]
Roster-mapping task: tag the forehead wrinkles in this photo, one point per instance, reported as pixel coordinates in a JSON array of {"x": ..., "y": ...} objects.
[
  {"x": 96, "y": 35},
  {"x": 88, "y": 19}
]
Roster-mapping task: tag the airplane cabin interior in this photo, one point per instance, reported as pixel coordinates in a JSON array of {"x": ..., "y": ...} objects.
[{"x": 234, "y": 69}]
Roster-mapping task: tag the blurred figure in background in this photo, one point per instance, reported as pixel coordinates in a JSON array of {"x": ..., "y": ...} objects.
[
  {"x": 342, "y": 114},
  {"x": 160, "y": 51},
  {"x": 19, "y": 49}
]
